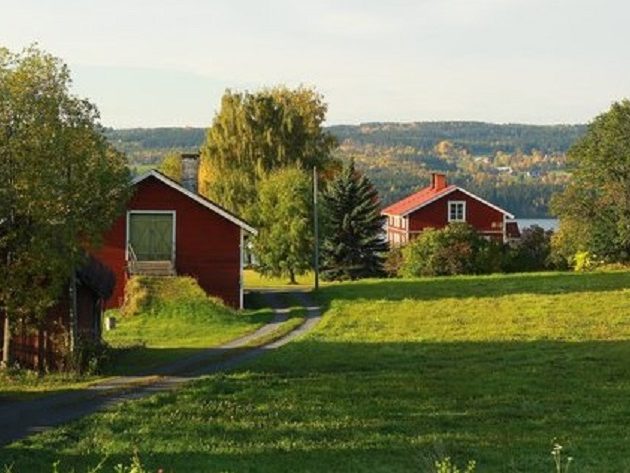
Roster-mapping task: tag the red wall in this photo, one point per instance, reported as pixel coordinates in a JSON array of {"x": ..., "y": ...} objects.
[
  {"x": 478, "y": 214},
  {"x": 207, "y": 246},
  {"x": 28, "y": 344}
]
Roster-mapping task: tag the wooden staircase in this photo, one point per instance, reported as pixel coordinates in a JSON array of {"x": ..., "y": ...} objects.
[{"x": 152, "y": 268}]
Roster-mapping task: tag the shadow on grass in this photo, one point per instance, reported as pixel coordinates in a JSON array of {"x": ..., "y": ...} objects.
[
  {"x": 329, "y": 406},
  {"x": 477, "y": 286}
]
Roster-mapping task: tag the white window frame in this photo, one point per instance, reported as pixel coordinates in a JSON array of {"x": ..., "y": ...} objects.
[
  {"x": 162, "y": 212},
  {"x": 456, "y": 202}
]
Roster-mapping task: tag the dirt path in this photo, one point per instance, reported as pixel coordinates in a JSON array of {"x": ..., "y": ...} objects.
[{"x": 19, "y": 419}]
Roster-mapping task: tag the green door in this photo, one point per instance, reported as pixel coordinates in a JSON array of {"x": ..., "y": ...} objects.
[{"x": 151, "y": 236}]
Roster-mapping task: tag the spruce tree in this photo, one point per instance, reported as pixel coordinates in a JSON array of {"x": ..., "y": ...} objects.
[{"x": 353, "y": 245}]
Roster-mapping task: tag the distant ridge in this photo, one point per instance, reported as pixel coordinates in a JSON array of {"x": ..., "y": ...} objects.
[{"x": 477, "y": 137}]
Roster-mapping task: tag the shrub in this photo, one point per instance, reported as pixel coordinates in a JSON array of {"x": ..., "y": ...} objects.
[
  {"x": 532, "y": 252},
  {"x": 89, "y": 357},
  {"x": 455, "y": 249},
  {"x": 393, "y": 262},
  {"x": 583, "y": 261}
]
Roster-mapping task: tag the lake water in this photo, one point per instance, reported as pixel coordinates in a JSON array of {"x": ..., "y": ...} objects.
[{"x": 546, "y": 223}]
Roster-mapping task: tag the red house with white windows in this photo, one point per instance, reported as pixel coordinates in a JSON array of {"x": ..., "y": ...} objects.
[
  {"x": 170, "y": 229},
  {"x": 440, "y": 204}
]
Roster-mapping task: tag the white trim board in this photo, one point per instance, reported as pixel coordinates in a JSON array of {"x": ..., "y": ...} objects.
[
  {"x": 469, "y": 194},
  {"x": 197, "y": 198}
]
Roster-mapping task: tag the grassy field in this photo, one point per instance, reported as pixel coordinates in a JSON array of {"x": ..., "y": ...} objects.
[
  {"x": 252, "y": 280},
  {"x": 174, "y": 318},
  {"x": 398, "y": 373}
]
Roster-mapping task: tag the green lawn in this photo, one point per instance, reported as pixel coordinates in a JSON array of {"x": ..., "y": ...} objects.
[
  {"x": 253, "y": 279},
  {"x": 399, "y": 373}
]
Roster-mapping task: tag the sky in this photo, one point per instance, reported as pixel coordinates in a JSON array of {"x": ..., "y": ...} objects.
[{"x": 167, "y": 63}]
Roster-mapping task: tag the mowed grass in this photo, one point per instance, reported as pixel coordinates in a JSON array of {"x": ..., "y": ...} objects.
[
  {"x": 253, "y": 279},
  {"x": 399, "y": 373}
]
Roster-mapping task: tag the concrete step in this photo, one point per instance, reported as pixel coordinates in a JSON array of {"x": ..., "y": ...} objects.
[{"x": 152, "y": 268}]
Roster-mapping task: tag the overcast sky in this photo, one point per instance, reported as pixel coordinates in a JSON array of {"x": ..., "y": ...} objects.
[{"x": 166, "y": 63}]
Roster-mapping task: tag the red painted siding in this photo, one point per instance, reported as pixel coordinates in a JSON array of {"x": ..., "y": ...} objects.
[
  {"x": 207, "y": 246},
  {"x": 435, "y": 215},
  {"x": 29, "y": 345}
]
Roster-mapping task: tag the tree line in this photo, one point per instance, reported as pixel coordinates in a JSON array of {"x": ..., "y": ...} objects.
[{"x": 518, "y": 166}]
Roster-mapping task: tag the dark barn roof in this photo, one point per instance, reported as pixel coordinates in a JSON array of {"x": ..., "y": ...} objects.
[{"x": 97, "y": 277}]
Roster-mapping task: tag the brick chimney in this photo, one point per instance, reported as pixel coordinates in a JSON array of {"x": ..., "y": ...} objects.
[
  {"x": 438, "y": 181},
  {"x": 190, "y": 171}
]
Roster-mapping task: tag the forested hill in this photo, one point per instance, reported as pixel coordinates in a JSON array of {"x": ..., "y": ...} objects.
[
  {"x": 516, "y": 166},
  {"x": 476, "y": 137}
]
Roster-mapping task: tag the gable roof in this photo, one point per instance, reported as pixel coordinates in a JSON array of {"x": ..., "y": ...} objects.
[
  {"x": 429, "y": 195},
  {"x": 197, "y": 198}
]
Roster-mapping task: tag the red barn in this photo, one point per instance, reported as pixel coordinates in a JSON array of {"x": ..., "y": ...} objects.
[
  {"x": 170, "y": 229},
  {"x": 438, "y": 205}
]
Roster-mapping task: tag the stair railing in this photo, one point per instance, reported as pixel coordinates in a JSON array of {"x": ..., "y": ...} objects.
[{"x": 132, "y": 259}]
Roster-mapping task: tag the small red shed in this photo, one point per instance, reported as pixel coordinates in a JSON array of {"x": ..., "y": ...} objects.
[
  {"x": 44, "y": 345},
  {"x": 170, "y": 229},
  {"x": 440, "y": 204}
]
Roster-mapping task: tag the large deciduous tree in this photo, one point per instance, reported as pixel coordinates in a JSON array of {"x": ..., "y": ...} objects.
[
  {"x": 61, "y": 184},
  {"x": 255, "y": 133},
  {"x": 171, "y": 166},
  {"x": 353, "y": 245},
  {"x": 284, "y": 245},
  {"x": 594, "y": 209}
]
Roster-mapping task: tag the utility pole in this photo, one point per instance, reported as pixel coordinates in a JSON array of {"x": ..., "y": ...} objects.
[{"x": 315, "y": 229}]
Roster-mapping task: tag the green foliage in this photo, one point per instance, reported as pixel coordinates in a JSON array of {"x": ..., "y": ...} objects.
[
  {"x": 171, "y": 166},
  {"x": 532, "y": 252},
  {"x": 595, "y": 207},
  {"x": 353, "y": 245},
  {"x": 582, "y": 261},
  {"x": 89, "y": 358},
  {"x": 455, "y": 249},
  {"x": 284, "y": 244},
  {"x": 393, "y": 261},
  {"x": 61, "y": 183},
  {"x": 255, "y": 133},
  {"x": 477, "y": 137}
]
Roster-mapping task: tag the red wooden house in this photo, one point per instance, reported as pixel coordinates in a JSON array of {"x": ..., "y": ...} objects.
[
  {"x": 440, "y": 204},
  {"x": 170, "y": 229}
]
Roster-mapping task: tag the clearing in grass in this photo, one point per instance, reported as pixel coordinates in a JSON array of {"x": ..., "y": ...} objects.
[{"x": 398, "y": 374}]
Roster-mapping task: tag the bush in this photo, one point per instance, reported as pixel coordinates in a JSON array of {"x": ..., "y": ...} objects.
[
  {"x": 455, "y": 249},
  {"x": 89, "y": 357},
  {"x": 393, "y": 262},
  {"x": 532, "y": 252}
]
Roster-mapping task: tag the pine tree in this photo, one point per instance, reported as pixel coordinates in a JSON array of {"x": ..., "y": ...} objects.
[{"x": 353, "y": 245}]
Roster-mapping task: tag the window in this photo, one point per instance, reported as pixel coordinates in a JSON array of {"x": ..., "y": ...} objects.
[{"x": 456, "y": 211}]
